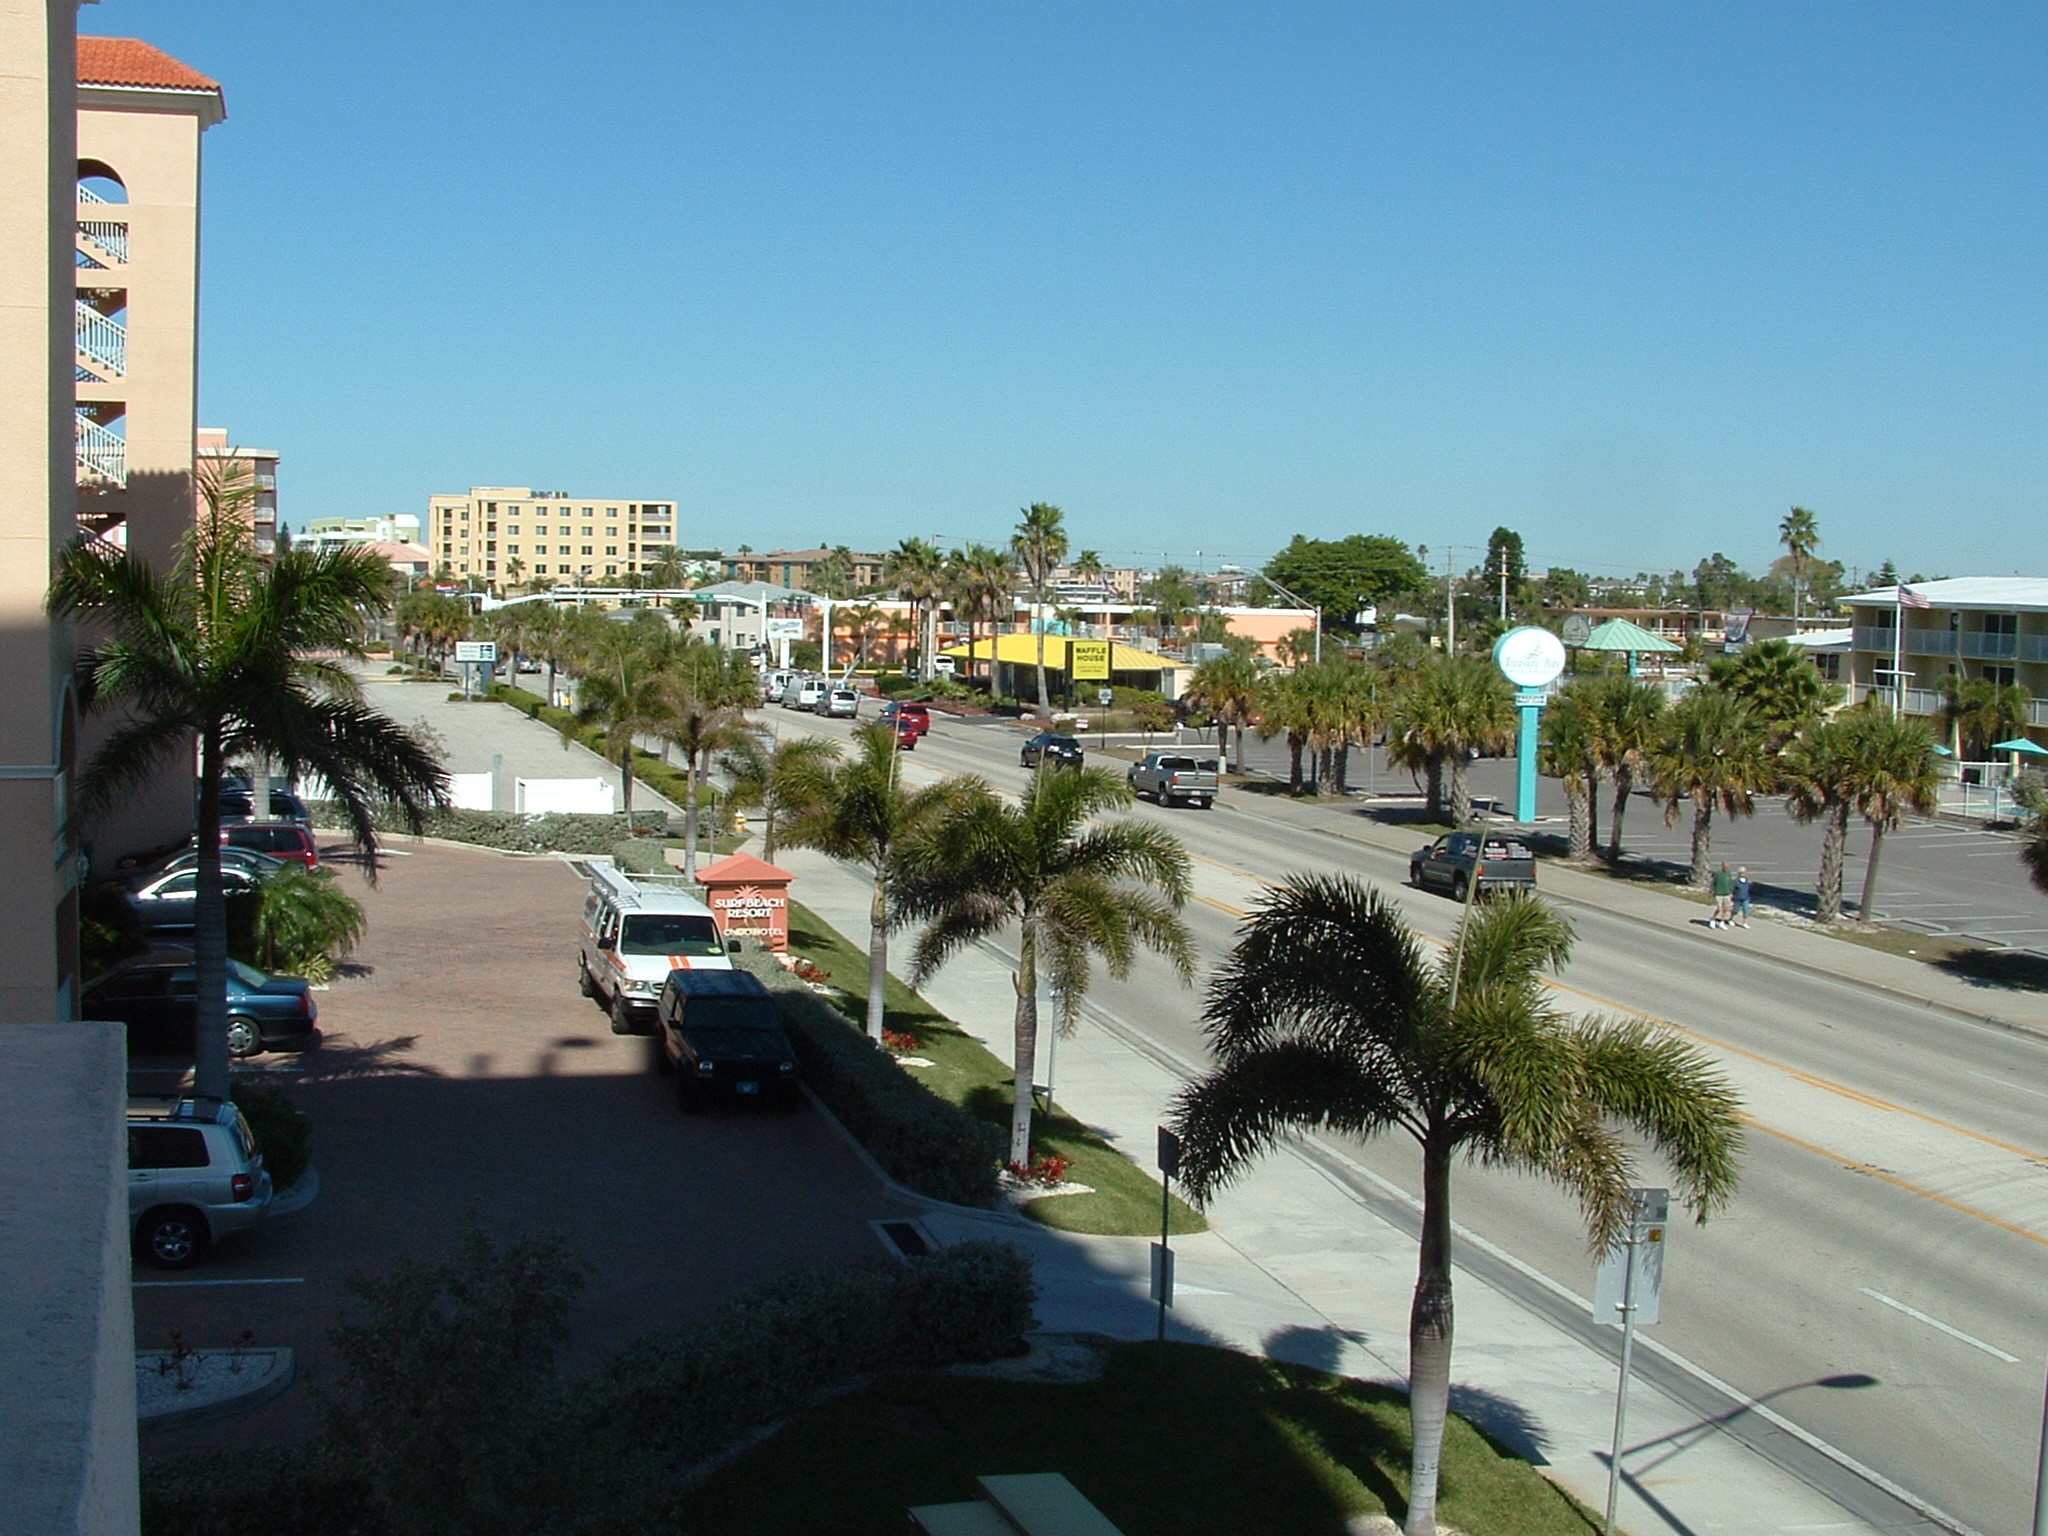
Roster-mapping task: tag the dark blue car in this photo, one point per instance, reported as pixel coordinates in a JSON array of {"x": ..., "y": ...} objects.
[{"x": 154, "y": 995}]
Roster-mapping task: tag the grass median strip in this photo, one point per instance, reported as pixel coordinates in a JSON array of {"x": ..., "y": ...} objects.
[
  {"x": 963, "y": 1071},
  {"x": 1208, "y": 1442}
]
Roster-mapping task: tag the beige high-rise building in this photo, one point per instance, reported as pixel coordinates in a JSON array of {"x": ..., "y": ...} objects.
[
  {"x": 508, "y": 535},
  {"x": 140, "y": 117},
  {"x": 253, "y": 472}
]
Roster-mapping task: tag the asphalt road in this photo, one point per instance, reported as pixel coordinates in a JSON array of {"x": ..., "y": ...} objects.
[
  {"x": 1894, "y": 1209},
  {"x": 1937, "y": 877}
]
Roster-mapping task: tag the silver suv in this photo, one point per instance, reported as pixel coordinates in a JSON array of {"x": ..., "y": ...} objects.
[{"x": 194, "y": 1175}]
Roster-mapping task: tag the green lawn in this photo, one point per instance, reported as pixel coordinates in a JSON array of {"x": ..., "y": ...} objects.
[
  {"x": 1126, "y": 1198},
  {"x": 1208, "y": 1442}
]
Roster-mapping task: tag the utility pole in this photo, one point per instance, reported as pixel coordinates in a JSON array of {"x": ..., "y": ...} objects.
[
  {"x": 1503, "y": 587},
  {"x": 1451, "y": 600}
]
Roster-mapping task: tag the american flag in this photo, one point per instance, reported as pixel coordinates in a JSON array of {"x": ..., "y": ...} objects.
[{"x": 1908, "y": 598}]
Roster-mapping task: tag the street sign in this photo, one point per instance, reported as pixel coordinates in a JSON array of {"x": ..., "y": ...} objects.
[
  {"x": 1578, "y": 629},
  {"x": 1090, "y": 660},
  {"x": 1105, "y": 697},
  {"x": 1529, "y": 657},
  {"x": 1169, "y": 1153},
  {"x": 477, "y": 651},
  {"x": 1646, "y": 1242}
]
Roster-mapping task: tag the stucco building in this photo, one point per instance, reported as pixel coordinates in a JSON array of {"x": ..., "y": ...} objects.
[
  {"x": 506, "y": 535},
  {"x": 1992, "y": 627},
  {"x": 251, "y": 473}
]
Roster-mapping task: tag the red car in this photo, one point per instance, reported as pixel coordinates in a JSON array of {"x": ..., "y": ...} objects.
[
  {"x": 907, "y": 717},
  {"x": 906, "y": 736},
  {"x": 280, "y": 839}
]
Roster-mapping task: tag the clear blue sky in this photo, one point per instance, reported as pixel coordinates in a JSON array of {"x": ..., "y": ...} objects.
[{"x": 1631, "y": 279}]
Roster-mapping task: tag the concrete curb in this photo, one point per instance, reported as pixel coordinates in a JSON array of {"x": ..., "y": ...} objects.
[
  {"x": 280, "y": 1372},
  {"x": 904, "y": 1192},
  {"x": 304, "y": 1191}
]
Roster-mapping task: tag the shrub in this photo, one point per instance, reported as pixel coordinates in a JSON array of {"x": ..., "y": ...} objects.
[
  {"x": 303, "y": 923},
  {"x": 283, "y": 1135},
  {"x": 511, "y": 831},
  {"x": 297, "y": 1488},
  {"x": 920, "y": 1139},
  {"x": 642, "y": 856}
]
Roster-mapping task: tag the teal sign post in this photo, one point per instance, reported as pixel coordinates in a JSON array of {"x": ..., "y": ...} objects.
[{"x": 1531, "y": 659}]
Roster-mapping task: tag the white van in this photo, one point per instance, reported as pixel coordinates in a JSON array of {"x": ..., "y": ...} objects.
[
  {"x": 811, "y": 695},
  {"x": 636, "y": 929}
]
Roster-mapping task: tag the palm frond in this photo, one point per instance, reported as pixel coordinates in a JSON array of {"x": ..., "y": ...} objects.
[
  {"x": 1512, "y": 940},
  {"x": 133, "y": 753},
  {"x": 1675, "y": 1097}
]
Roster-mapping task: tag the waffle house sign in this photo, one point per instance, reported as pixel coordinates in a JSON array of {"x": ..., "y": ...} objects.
[{"x": 749, "y": 898}]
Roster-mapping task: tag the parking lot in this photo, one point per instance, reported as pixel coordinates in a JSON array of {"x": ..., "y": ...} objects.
[{"x": 462, "y": 1071}]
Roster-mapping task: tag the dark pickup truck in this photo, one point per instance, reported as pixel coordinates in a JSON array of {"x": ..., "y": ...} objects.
[{"x": 1453, "y": 862}]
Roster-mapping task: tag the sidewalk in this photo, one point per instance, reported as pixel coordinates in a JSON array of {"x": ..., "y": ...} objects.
[
  {"x": 1661, "y": 906},
  {"x": 1298, "y": 1267}
]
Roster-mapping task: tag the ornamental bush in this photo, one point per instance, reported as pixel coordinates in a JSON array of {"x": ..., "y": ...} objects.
[
  {"x": 511, "y": 831},
  {"x": 283, "y": 1135},
  {"x": 932, "y": 1145}
]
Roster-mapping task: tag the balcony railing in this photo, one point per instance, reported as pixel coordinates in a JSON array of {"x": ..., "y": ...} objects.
[
  {"x": 87, "y": 195},
  {"x": 2037, "y": 711},
  {"x": 106, "y": 236},
  {"x": 1930, "y": 642},
  {"x": 102, "y": 340},
  {"x": 1982, "y": 645},
  {"x": 1872, "y": 637},
  {"x": 2034, "y": 647},
  {"x": 1919, "y": 701},
  {"x": 102, "y": 455}
]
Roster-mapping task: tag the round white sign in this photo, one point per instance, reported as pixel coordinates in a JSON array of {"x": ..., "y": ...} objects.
[
  {"x": 1578, "y": 629},
  {"x": 1529, "y": 657}
]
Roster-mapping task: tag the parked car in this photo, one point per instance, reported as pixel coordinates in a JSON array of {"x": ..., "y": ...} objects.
[
  {"x": 841, "y": 704},
  {"x": 914, "y": 717},
  {"x": 260, "y": 866},
  {"x": 906, "y": 736},
  {"x": 167, "y": 903},
  {"x": 1050, "y": 747},
  {"x": 155, "y": 996},
  {"x": 238, "y": 805},
  {"x": 280, "y": 839},
  {"x": 810, "y": 694},
  {"x": 194, "y": 1176},
  {"x": 721, "y": 1036},
  {"x": 1454, "y": 861},
  {"x": 1175, "y": 778},
  {"x": 635, "y": 932}
]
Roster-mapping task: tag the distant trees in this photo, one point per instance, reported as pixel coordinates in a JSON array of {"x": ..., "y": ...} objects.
[
  {"x": 1799, "y": 532},
  {"x": 1454, "y": 710},
  {"x": 1343, "y": 576},
  {"x": 917, "y": 571}
]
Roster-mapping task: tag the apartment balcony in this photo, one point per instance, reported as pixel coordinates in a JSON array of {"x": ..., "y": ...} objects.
[
  {"x": 1871, "y": 637},
  {"x": 2034, "y": 647},
  {"x": 1919, "y": 701},
  {"x": 1930, "y": 642},
  {"x": 1981, "y": 645}
]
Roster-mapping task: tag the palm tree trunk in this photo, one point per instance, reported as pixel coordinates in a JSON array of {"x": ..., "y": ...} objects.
[
  {"x": 878, "y": 951},
  {"x": 1238, "y": 756},
  {"x": 626, "y": 775},
  {"x": 1864, "y": 907},
  {"x": 1592, "y": 803},
  {"x": 1827, "y": 889},
  {"x": 690, "y": 820},
  {"x": 1026, "y": 1049},
  {"x": 1342, "y": 775},
  {"x": 1429, "y": 1343},
  {"x": 1624, "y": 784},
  {"x": 1702, "y": 840},
  {"x": 210, "y": 935},
  {"x": 1578, "y": 801},
  {"x": 1435, "y": 789},
  {"x": 1294, "y": 746},
  {"x": 1323, "y": 771},
  {"x": 1038, "y": 623},
  {"x": 1461, "y": 798}
]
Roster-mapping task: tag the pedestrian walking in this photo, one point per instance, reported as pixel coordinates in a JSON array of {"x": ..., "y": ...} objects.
[
  {"x": 1724, "y": 898},
  {"x": 1741, "y": 893}
]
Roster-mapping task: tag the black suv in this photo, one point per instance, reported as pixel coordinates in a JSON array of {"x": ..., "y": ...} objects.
[
  {"x": 1050, "y": 747},
  {"x": 722, "y": 1037}
]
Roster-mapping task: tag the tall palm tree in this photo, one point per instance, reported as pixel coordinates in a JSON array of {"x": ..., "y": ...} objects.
[
  {"x": 1228, "y": 688},
  {"x": 782, "y": 778},
  {"x": 862, "y": 814},
  {"x": 1820, "y": 770},
  {"x": 1628, "y": 714},
  {"x": 1454, "y": 709},
  {"x": 1896, "y": 777},
  {"x": 1088, "y": 566},
  {"x": 1038, "y": 545},
  {"x": 1077, "y": 886},
  {"x": 980, "y": 584},
  {"x": 1326, "y": 1017},
  {"x": 235, "y": 652},
  {"x": 1977, "y": 711},
  {"x": 1566, "y": 752},
  {"x": 1782, "y": 687},
  {"x": 621, "y": 689},
  {"x": 706, "y": 691},
  {"x": 1287, "y": 704},
  {"x": 916, "y": 570},
  {"x": 1711, "y": 752},
  {"x": 1799, "y": 532}
]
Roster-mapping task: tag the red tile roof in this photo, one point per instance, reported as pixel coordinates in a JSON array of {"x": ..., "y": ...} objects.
[{"x": 131, "y": 61}]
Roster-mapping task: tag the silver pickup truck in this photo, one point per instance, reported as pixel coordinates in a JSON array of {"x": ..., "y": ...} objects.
[{"x": 1175, "y": 778}]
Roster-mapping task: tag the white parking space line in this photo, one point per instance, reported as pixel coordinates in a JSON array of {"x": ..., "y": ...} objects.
[
  {"x": 165, "y": 1285},
  {"x": 1939, "y": 1326},
  {"x": 2016, "y": 1088}
]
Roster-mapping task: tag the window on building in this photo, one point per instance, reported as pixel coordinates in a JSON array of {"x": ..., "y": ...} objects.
[
  {"x": 511, "y": 549},
  {"x": 611, "y": 511},
  {"x": 561, "y": 570},
  {"x": 611, "y": 549},
  {"x": 2001, "y": 623},
  {"x": 2003, "y": 676},
  {"x": 465, "y": 514},
  {"x": 587, "y": 511},
  {"x": 512, "y": 529},
  {"x": 586, "y": 549},
  {"x": 611, "y": 570}
]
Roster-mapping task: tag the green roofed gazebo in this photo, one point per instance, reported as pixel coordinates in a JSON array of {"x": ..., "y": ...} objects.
[{"x": 1631, "y": 639}]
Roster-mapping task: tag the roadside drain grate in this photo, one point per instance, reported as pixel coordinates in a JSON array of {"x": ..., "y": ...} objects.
[{"x": 906, "y": 1239}]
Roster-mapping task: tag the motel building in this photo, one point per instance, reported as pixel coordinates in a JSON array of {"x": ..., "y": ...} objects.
[{"x": 1993, "y": 627}]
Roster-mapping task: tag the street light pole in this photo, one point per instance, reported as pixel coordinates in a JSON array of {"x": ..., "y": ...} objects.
[{"x": 1298, "y": 602}]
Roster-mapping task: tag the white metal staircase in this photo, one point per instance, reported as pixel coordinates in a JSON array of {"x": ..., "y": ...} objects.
[
  {"x": 101, "y": 343},
  {"x": 102, "y": 454}
]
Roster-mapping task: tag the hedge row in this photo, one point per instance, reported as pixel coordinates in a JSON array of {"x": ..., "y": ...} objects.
[
  {"x": 451, "y": 1415},
  {"x": 920, "y": 1139},
  {"x": 647, "y": 768},
  {"x": 511, "y": 831}
]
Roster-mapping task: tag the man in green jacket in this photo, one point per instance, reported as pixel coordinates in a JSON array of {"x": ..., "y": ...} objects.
[{"x": 1724, "y": 898}]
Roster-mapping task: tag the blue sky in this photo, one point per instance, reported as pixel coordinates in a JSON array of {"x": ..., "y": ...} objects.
[{"x": 1630, "y": 279}]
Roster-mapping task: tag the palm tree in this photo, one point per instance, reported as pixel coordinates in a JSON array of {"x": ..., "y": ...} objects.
[
  {"x": 1977, "y": 711},
  {"x": 235, "y": 652},
  {"x": 1799, "y": 532},
  {"x": 1711, "y": 752},
  {"x": 1088, "y": 566},
  {"x": 1077, "y": 887},
  {"x": 1228, "y": 688},
  {"x": 1453, "y": 710},
  {"x": 917, "y": 571},
  {"x": 783, "y": 778},
  {"x": 1326, "y": 1017},
  {"x": 1820, "y": 770},
  {"x": 1895, "y": 777},
  {"x": 667, "y": 570},
  {"x": 622, "y": 690},
  {"x": 1038, "y": 545},
  {"x": 706, "y": 691},
  {"x": 1566, "y": 752},
  {"x": 1627, "y": 715},
  {"x": 1287, "y": 705},
  {"x": 1782, "y": 687},
  {"x": 980, "y": 582},
  {"x": 863, "y": 814},
  {"x": 515, "y": 568},
  {"x": 2034, "y": 846}
]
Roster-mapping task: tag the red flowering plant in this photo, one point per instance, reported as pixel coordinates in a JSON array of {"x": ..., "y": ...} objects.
[
  {"x": 1047, "y": 1168},
  {"x": 901, "y": 1041}
]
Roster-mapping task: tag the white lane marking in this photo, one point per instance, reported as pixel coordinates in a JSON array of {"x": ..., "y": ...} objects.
[
  {"x": 145, "y": 1285},
  {"x": 1939, "y": 1326},
  {"x": 2015, "y": 1087}
]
